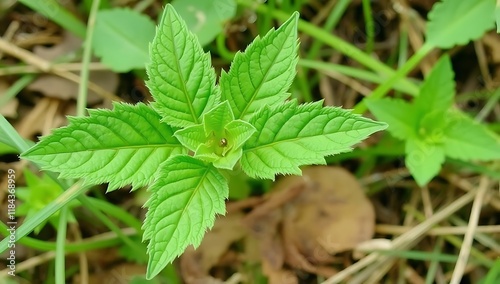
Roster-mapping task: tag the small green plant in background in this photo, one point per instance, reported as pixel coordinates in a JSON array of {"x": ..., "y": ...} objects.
[
  {"x": 186, "y": 142},
  {"x": 204, "y": 18},
  {"x": 433, "y": 129},
  {"x": 37, "y": 194}
]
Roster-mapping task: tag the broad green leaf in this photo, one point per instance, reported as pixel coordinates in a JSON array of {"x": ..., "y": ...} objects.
[
  {"x": 263, "y": 73},
  {"x": 205, "y": 18},
  {"x": 399, "y": 115},
  {"x": 291, "y": 135},
  {"x": 181, "y": 78},
  {"x": 453, "y": 22},
  {"x": 121, "y": 39},
  {"x": 122, "y": 146},
  {"x": 423, "y": 160},
  {"x": 186, "y": 196},
  {"x": 467, "y": 140},
  {"x": 438, "y": 90}
]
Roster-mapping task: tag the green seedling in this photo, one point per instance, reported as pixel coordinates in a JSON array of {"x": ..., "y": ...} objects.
[
  {"x": 37, "y": 194},
  {"x": 185, "y": 143},
  {"x": 433, "y": 129}
]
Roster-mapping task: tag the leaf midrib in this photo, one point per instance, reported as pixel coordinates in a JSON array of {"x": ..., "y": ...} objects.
[
  {"x": 254, "y": 96},
  {"x": 149, "y": 146},
  {"x": 285, "y": 141},
  {"x": 177, "y": 61}
]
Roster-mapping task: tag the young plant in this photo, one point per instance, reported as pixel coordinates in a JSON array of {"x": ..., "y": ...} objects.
[
  {"x": 183, "y": 144},
  {"x": 433, "y": 129},
  {"x": 39, "y": 192}
]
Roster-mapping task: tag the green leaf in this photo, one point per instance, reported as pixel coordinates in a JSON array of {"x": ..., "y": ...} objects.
[
  {"x": 497, "y": 16},
  {"x": 39, "y": 193},
  {"x": 423, "y": 160},
  {"x": 6, "y": 149},
  {"x": 291, "y": 135},
  {"x": 191, "y": 137},
  {"x": 239, "y": 132},
  {"x": 205, "y": 18},
  {"x": 230, "y": 159},
  {"x": 453, "y": 22},
  {"x": 186, "y": 196},
  {"x": 264, "y": 72},
  {"x": 121, "y": 39},
  {"x": 181, "y": 78},
  {"x": 431, "y": 126},
  {"x": 10, "y": 137},
  {"x": 122, "y": 146},
  {"x": 206, "y": 153},
  {"x": 468, "y": 140},
  {"x": 400, "y": 116},
  {"x": 438, "y": 90}
]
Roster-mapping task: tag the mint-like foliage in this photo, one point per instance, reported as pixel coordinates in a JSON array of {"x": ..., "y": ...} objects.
[
  {"x": 120, "y": 146},
  {"x": 181, "y": 78},
  {"x": 186, "y": 196},
  {"x": 454, "y": 22},
  {"x": 291, "y": 135},
  {"x": 194, "y": 131},
  {"x": 263, "y": 73},
  {"x": 433, "y": 129}
]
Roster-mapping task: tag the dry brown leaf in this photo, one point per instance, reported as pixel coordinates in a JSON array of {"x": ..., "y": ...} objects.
[
  {"x": 10, "y": 108},
  {"x": 119, "y": 274},
  {"x": 333, "y": 212},
  {"x": 57, "y": 87},
  {"x": 196, "y": 264},
  {"x": 492, "y": 41},
  {"x": 279, "y": 276},
  {"x": 69, "y": 44},
  {"x": 321, "y": 213}
]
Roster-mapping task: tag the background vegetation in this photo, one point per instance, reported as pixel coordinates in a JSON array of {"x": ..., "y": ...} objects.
[{"x": 424, "y": 224}]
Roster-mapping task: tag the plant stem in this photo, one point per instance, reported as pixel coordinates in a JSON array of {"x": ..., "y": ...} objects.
[
  {"x": 60, "y": 246},
  {"x": 335, "y": 42},
  {"x": 103, "y": 240},
  {"x": 20, "y": 84},
  {"x": 332, "y": 20},
  {"x": 87, "y": 52},
  {"x": 55, "y": 12},
  {"x": 382, "y": 90},
  {"x": 356, "y": 73},
  {"x": 369, "y": 26}
]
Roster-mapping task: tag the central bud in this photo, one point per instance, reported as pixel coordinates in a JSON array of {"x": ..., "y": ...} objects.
[{"x": 219, "y": 138}]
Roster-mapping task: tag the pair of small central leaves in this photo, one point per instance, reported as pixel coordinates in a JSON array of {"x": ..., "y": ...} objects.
[{"x": 219, "y": 138}]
